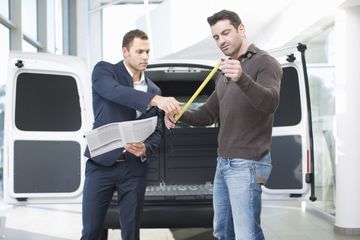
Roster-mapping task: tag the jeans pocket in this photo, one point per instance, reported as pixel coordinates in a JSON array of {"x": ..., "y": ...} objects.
[
  {"x": 238, "y": 164},
  {"x": 240, "y": 169},
  {"x": 263, "y": 171}
]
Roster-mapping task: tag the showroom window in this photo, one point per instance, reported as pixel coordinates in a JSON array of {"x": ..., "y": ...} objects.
[
  {"x": 58, "y": 27},
  {"x": 4, "y": 8},
  {"x": 321, "y": 71},
  {"x": 111, "y": 17},
  {"x": 4, "y": 50},
  {"x": 29, "y": 18},
  {"x": 27, "y": 47}
]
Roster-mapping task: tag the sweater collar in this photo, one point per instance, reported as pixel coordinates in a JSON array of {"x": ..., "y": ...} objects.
[{"x": 252, "y": 49}]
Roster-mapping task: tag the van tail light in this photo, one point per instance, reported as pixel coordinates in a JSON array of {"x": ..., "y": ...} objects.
[
  {"x": 309, "y": 175},
  {"x": 308, "y": 161}
]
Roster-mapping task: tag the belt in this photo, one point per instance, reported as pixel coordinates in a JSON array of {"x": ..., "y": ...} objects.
[{"x": 122, "y": 157}]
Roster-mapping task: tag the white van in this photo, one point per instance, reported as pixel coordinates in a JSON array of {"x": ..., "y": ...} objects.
[{"x": 49, "y": 107}]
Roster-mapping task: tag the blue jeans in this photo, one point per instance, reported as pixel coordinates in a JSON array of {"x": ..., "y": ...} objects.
[{"x": 237, "y": 197}]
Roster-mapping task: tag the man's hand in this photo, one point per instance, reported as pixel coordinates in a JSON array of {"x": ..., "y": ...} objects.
[
  {"x": 170, "y": 120},
  {"x": 138, "y": 149},
  {"x": 231, "y": 69},
  {"x": 167, "y": 104}
]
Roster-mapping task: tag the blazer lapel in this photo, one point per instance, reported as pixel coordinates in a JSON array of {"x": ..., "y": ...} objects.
[
  {"x": 124, "y": 78},
  {"x": 151, "y": 86},
  {"x": 122, "y": 73}
]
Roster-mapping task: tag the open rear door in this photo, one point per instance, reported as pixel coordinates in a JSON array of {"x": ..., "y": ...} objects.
[
  {"x": 292, "y": 148},
  {"x": 48, "y": 109}
]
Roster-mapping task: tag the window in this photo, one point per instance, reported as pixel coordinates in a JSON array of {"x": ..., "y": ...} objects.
[
  {"x": 182, "y": 82},
  {"x": 111, "y": 17},
  {"x": 321, "y": 70},
  {"x": 29, "y": 18},
  {"x": 289, "y": 109},
  {"x": 322, "y": 94},
  {"x": 58, "y": 27},
  {"x": 27, "y": 47},
  {"x": 47, "y": 102},
  {"x": 4, "y": 50},
  {"x": 4, "y": 8}
]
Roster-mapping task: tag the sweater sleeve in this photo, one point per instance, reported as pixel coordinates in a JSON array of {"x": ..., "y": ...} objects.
[
  {"x": 264, "y": 91},
  {"x": 204, "y": 115}
]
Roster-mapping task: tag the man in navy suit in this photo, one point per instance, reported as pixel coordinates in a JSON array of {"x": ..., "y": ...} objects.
[{"x": 122, "y": 92}]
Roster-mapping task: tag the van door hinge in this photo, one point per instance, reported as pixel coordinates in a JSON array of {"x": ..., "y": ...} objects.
[
  {"x": 19, "y": 63},
  {"x": 291, "y": 58}
]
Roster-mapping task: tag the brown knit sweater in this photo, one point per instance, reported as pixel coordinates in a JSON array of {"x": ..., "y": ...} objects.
[{"x": 245, "y": 109}]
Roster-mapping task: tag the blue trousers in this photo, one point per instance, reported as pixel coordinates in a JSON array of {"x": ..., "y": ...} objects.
[
  {"x": 100, "y": 184},
  {"x": 237, "y": 197}
]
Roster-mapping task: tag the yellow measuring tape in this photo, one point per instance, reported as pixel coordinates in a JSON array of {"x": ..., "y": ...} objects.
[{"x": 203, "y": 84}]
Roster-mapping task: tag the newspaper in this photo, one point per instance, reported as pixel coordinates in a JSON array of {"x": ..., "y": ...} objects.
[{"x": 115, "y": 135}]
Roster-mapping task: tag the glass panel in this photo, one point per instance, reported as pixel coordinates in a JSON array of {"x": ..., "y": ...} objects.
[
  {"x": 47, "y": 102},
  {"x": 321, "y": 48},
  {"x": 58, "y": 27},
  {"x": 322, "y": 93},
  {"x": 27, "y": 47},
  {"x": 29, "y": 18},
  {"x": 4, "y": 8},
  {"x": 321, "y": 71},
  {"x": 4, "y": 50},
  {"x": 111, "y": 17}
]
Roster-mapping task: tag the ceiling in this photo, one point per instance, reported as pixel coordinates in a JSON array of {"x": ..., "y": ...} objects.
[{"x": 259, "y": 17}]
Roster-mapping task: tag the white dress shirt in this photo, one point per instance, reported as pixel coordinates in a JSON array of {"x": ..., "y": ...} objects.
[{"x": 138, "y": 85}]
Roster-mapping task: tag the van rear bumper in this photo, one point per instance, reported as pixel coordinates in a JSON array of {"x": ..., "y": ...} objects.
[{"x": 168, "y": 216}]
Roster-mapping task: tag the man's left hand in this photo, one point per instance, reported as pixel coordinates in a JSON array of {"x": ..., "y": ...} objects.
[
  {"x": 231, "y": 69},
  {"x": 138, "y": 149}
]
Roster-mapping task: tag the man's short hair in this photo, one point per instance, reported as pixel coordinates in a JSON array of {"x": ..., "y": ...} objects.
[
  {"x": 131, "y": 35},
  {"x": 223, "y": 15}
]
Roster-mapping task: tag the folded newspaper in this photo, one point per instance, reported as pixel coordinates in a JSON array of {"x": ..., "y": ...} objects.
[{"x": 115, "y": 135}]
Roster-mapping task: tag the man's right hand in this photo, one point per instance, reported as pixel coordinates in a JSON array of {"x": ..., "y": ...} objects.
[
  {"x": 167, "y": 104},
  {"x": 170, "y": 120}
]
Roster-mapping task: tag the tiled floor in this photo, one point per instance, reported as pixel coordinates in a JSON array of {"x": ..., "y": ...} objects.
[{"x": 281, "y": 220}]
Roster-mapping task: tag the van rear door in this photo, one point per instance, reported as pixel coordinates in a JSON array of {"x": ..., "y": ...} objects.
[
  {"x": 48, "y": 108},
  {"x": 292, "y": 145}
]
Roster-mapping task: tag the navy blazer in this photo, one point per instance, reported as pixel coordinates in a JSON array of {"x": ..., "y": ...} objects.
[{"x": 116, "y": 100}]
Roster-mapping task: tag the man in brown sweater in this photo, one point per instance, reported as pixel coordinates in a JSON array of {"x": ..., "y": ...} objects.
[{"x": 244, "y": 102}]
